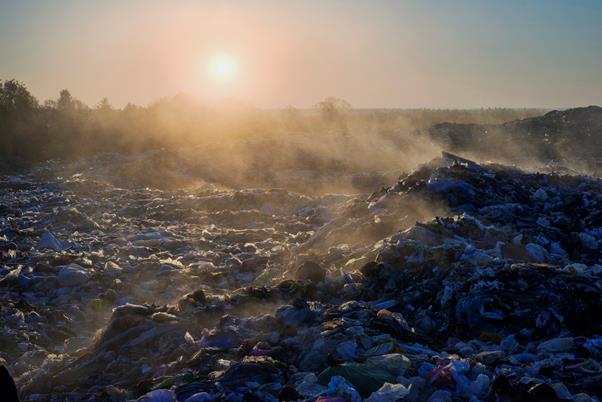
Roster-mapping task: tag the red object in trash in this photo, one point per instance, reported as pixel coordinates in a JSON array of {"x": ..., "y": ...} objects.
[{"x": 440, "y": 375}]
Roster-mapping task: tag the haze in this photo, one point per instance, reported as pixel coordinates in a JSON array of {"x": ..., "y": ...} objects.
[{"x": 444, "y": 54}]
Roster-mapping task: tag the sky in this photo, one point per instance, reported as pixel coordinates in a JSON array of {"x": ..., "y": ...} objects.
[{"x": 390, "y": 54}]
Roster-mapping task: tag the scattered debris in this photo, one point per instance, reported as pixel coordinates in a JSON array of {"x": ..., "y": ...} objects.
[{"x": 266, "y": 295}]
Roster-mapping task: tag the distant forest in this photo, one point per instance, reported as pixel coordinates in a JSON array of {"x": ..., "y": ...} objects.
[{"x": 66, "y": 128}]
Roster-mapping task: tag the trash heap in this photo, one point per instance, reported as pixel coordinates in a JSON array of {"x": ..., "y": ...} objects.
[
  {"x": 562, "y": 139},
  {"x": 493, "y": 296}
]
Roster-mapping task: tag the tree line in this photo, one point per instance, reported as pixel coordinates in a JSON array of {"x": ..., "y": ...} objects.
[{"x": 66, "y": 128}]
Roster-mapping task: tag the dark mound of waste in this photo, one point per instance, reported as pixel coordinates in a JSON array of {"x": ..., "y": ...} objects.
[
  {"x": 572, "y": 137},
  {"x": 494, "y": 296}
]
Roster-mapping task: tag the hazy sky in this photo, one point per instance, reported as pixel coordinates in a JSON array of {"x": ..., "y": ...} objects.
[{"x": 456, "y": 53}]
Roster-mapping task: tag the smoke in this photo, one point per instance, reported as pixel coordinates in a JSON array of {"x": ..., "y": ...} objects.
[{"x": 177, "y": 143}]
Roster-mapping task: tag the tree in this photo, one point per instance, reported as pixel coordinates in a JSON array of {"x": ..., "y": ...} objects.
[
  {"x": 332, "y": 108},
  {"x": 65, "y": 101},
  {"x": 334, "y": 112},
  {"x": 50, "y": 104},
  {"x": 14, "y": 96},
  {"x": 104, "y": 105},
  {"x": 130, "y": 107}
]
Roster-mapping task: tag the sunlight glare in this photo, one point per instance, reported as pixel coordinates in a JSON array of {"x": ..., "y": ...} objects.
[{"x": 222, "y": 68}]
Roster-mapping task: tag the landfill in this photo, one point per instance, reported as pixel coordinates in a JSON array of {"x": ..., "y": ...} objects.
[
  {"x": 566, "y": 139},
  {"x": 459, "y": 282}
]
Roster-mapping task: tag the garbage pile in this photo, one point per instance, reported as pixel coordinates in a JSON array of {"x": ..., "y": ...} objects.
[
  {"x": 563, "y": 139},
  {"x": 461, "y": 282}
]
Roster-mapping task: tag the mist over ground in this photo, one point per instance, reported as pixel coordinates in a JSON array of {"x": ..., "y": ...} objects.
[{"x": 331, "y": 147}]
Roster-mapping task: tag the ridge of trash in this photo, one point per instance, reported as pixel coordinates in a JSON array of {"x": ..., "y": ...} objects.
[
  {"x": 563, "y": 139},
  {"x": 462, "y": 281}
]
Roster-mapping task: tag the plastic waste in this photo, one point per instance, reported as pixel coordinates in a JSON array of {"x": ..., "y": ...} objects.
[
  {"x": 388, "y": 393},
  {"x": 158, "y": 395},
  {"x": 47, "y": 240},
  {"x": 338, "y": 386}
]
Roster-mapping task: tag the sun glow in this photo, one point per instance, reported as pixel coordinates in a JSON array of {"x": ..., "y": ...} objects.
[{"x": 222, "y": 68}]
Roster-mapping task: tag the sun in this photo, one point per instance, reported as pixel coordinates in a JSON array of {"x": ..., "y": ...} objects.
[{"x": 222, "y": 67}]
